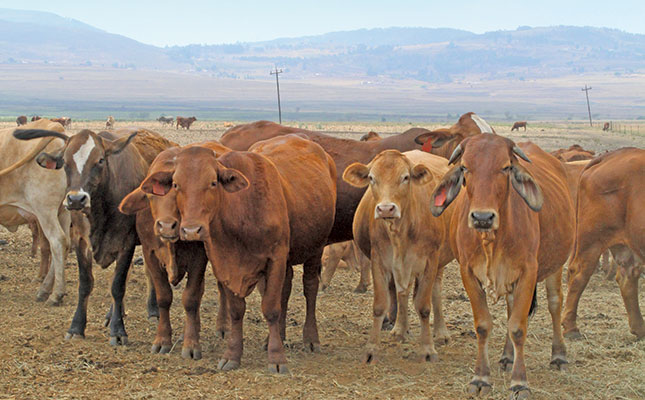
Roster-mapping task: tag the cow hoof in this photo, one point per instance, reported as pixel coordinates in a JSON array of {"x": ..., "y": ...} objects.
[
  {"x": 220, "y": 333},
  {"x": 41, "y": 296},
  {"x": 559, "y": 363},
  {"x": 387, "y": 325},
  {"x": 312, "y": 347},
  {"x": 54, "y": 301},
  {"x": 323, "y": 287},
  {"x": 506, "y": 364},
  {"x": 278, "y": 368},
  {"x": 138, "y": 261},
  {"x": 118, "y": 340},
  {"x": 160, "y": 349},
  {"x": 228, "y": 365},
  {"x": 191, "y": 353},
  {"x": 573, "y": 334},
  {"x": 429, "y": 357},
  {"x": 479, "y": 388},
  {"x": 442, "y": 339},
  {"x": 639, "y": 333},
  {"x": 70, "y": 336},
  {"x": 519, "y": 392},
  {"x": 370, "y": 358},
  {"x": 360, "y": 289},
  {"x": 153, "y": 319},
  {"x": 398, "y": 334}
]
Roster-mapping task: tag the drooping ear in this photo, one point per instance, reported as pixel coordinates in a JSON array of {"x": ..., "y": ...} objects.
[
  {"x": 421, "y": 175},
  {"x": 134, "y": 202},
  {"x": 356, "y": 175},
  {"x": 117, "y": 146},
  {"x": 371, "y": 135},
  {"x": 49, "y": 161},
  {"x": 447, "y": 190},
  {"x": 232, "y": 180},
  {"x": 526, "y": 187},
  {"x": 434, "y": 139},
  {"x": 158, "y": 183}
]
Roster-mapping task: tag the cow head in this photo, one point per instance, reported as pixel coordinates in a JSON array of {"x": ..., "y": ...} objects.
[
  {"x": 486, "y": 165},
  {"x": 200, "y": 183},
  {"x": 85, "y": 158},
  {"x": 389, "y": 176}
]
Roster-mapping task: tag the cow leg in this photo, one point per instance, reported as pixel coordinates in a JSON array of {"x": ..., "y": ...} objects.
[
  {"x": 272, "y": 309},
  {"x": 554, "y": 297},
  {"x": 508, "y": 355},
  {"x": 223, "y": 322},
  {"x": 364, "y": 266},
  {"x": 58, "y": 244},
  {"x": 284, "y": 302},
  {"x": 422, "y": 303},
  {"x": 390, "y": 318},
  {"x": 402, "y": 323},
  {"x": 627, "y": 278},
  {"x": 233, "y": 354},
  {"x": 45, "y": 256},
  {"x": 151, "y": 304},
  {"x": 192, "y": 299},
  {"x": 332, "y": 259},
  {"x": 118, "y": 335},
  {"x": 85, "y": 286},
  {"x": 35, "y": 236},
  {"x": 380, "y": 281},
  {"x": 163, "y": 292},
  {"x": 480, "y": 384},
  {"x": 517, "y": 327},
  {"x": 310, "y": 280},
  {"x": 440, "y": 330}
]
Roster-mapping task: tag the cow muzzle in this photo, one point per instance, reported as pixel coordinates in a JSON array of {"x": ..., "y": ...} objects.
[
  {"x": 167, "y": 230},
  {"x": 192, "y": 232},
  {"x": 483, "y": 220},
  {"x": 387, "y": 211},
  {"x": 77, "y": 200}
]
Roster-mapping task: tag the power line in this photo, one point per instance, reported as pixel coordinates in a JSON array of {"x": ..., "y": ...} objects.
[
  {"x": 277, "y": 72},
  {"x": 586, "y": 90}
]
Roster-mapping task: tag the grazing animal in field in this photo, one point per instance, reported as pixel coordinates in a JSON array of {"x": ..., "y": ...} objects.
[
  {"x": 575, "y": 152},
  {"x": 609, "y": 215},
  {"x": 353, "y": 258},
  {"x": 101, "y": 169},
  {"x": 405, "y": 244},
  {"x": 371, "y": 135},
  {"x": 32, "y": 195},
  {"x": 21, "y": 120},
  {"x": 109, "y": 124},
  {"x": 166, "y": 120},
  {"x": 35, "y": 118},
  {"x": 518, "y": 125},
  {"x": 605, "y": 127},
  {"x": 511, "y": 228},
  {"x": 185, "y": 122},
  {"x": 261, "y": 211}
]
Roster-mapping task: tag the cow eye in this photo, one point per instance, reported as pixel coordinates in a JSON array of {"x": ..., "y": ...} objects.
[
  {"x": 101, "y": 161},
  {"x": 175, "y": 186},
  {"x": 405, "y": 179},
  {"x": 507, "y": 169},
  {"x": 213, "y": 184}
]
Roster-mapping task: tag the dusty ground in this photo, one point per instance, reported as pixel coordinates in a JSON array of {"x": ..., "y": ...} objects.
[{"x": 36, "y": 362}]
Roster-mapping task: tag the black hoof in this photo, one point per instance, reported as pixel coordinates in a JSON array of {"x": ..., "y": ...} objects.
[
  {"x": 228, "y": 365},
  {"x": 118, "y": 340},
  {"x": 160, "y": 349},
  {"x": 519, "y": 392},
  {"x": 479, "y": 388},
  {"x": 194, "y": 354}
]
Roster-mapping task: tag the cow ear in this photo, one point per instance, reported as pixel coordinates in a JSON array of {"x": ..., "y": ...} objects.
[
  {"x": 49, "y": 161},
  {"x": 357, "y": 175},
  {"x": 421, "y": 175},
  {"x": 158, "y": 183},
  {"x": 434, "y": 139},
  {"x": 526, "y": 187},
  {"x": 117, "y": 146},
  {"x": 134, "y": 202},
  {"x": 447, "y": 190},
  {"x": 232, "y": 180}
]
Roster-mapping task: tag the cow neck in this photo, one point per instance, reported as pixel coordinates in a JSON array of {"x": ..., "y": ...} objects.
[{"x": 402, "y": 142}]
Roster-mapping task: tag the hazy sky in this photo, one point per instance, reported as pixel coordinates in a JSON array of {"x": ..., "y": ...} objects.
[{"x": 162, "y": 22}]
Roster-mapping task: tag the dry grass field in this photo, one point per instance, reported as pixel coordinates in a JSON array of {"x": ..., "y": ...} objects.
[{"x": 36, "y": 362}]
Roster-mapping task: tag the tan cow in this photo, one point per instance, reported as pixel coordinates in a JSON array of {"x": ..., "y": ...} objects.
[
  {"x": 109, "y": 124},
  {"x": 352, "y": 256},
  {"x": 406, "y": 244},
  {"x": 32, "y": 193},
  {"x": 511, "y": 228},
  {"x": 609, "y": 213}
]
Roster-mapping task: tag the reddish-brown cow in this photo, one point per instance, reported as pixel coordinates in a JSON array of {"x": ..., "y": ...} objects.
[
  {"x": 185, "y": 122},
  {"x": 518, "y": 125},
  {"x": 605, "y": 127},
  {"x": 575, "y": 152},
  {"x": 21, "y": 120},
  {"x": 504, "y": 245},
  {"x": 609, "y": 213}
]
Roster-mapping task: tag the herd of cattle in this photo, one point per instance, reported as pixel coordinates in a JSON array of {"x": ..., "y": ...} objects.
[{"x": 267, "y": 197}]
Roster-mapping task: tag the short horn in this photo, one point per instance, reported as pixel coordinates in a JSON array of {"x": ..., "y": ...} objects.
[
  {"x": 455, "y": 154},
  {"x": 521, "y": 154}
]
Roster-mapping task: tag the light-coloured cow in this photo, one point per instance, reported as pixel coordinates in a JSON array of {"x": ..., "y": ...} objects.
[
  {"x": 346, "y": 252},
  {"x": 109, "y": 124}
]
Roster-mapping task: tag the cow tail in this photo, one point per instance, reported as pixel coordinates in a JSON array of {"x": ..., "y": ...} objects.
[{"x": 534, "y": 303}]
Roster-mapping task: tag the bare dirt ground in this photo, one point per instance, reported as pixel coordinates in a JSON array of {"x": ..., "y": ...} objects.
[{"x": 36, "y": 362}]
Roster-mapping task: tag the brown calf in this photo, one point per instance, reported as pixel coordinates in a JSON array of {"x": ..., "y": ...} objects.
[
  {"x": 504, "y": 245},
  {"x": 352, "y": 256}
]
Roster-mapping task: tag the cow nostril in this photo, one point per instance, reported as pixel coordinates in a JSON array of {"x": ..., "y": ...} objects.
[
  {"x": 482, "y": 216},
  {"x": 174, "y": 225}
]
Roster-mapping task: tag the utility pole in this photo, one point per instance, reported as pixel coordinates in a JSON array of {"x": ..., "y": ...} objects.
[
  {"x": 277, "y": 72},
  {"x": 586, "y": 90}
]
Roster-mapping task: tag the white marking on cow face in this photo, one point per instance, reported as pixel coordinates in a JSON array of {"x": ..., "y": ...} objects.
[
  {"x": 83, "y": 153},
  {"x": 483, "y": 125}
]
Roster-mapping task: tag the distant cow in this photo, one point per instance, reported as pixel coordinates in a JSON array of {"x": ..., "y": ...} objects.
[
  {"x": 353, "y": 258},
  {"x": 166, "y": 120},
  {"x": 609, "y": 213},
  {"x": 109, "y": 124},
  {"x": 371, "y": 135},
  {"x": 575, "y": 152},
  {"x": 605, "y": 127},
  {"x": 35, "y": 118},
  {"x": 518, "y": 125},
  {"x": 21, "y": 120},
  {"x": 185, "y": 122},
  {"x": 65, "y": 121}
]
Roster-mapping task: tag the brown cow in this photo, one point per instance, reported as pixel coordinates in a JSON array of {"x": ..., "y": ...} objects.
[
  {"x": 166, "y": 120},
  {"x": 371, "y": 135},
  {"x": 504, "y": 245},
  {"x": 65, "y": 121},
  {"x": 346, "y": 252},
  {"x": 575, "y": 152},
  {"x": 109, "y": 124},
  {"x": 406, "y": 245},
  {"x": 21, "y": 120},
  {"x": 287, "y": 187},
  {"x": 169, "y": 260},
  {"x": 35, "y": 118},
  {"x": 518, "y": 125},
  {"x": 185, "y": 122},
  {"x": 605, "y": 127},
  {"x": 609, "y": 213}
]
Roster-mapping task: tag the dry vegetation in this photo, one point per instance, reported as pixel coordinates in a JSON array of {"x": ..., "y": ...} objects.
[{"x": 36, "y": 362}]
